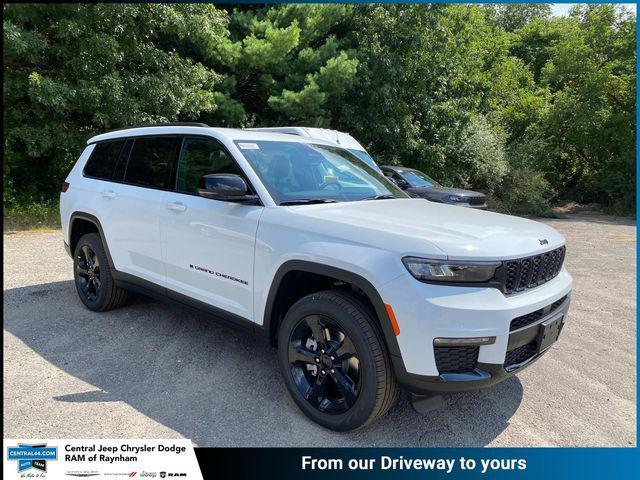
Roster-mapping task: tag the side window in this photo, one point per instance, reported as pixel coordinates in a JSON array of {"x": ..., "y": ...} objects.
[
  {"x": 151, "y": 162},
  {"x": 200, "y": 156},
  {"x": 103, "y": 159}
]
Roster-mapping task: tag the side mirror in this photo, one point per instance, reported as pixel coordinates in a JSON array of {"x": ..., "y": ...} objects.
[{"x": 225, "y": 187}]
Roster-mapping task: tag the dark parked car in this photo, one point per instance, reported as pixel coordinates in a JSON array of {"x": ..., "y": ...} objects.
[{"x": 418, "y": 184}]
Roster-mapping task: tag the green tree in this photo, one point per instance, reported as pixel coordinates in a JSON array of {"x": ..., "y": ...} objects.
[
  {"x": 590, "y": 126},
  {"x": 511, "y": 17},
  {"x": 75, "y": 70},
  {"x": 424, "y": 71},
  {"x": 288, "y": 64},
  {"x": 504, "y": 98}
]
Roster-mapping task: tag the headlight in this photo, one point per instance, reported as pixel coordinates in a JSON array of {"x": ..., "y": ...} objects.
[
  {"x": 455, "y": 198},
  {"x": 450, "y": 270}
]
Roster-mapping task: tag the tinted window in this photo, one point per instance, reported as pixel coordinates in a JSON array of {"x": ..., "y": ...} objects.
[
  {"x": 103, "y": 160},
  {"x": 201, "y": 157},
  {"x": 151, "y": 161}
]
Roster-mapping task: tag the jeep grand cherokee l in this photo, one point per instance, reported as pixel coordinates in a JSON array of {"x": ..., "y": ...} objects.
[{"x": 363, "y": 289}]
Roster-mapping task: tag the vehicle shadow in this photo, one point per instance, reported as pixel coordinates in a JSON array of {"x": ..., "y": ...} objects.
[{"x": 213, "y": 384}]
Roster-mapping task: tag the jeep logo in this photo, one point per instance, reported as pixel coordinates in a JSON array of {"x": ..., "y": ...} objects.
[{"x": 543, "y": 241}]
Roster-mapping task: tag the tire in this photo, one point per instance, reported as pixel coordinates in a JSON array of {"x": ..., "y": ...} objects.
[
  {"x": 93, "y": 276},
  {"x": 354, "y": 397}
]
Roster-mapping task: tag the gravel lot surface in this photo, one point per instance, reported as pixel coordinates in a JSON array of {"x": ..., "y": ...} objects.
[{"x": 155, "y": 371}]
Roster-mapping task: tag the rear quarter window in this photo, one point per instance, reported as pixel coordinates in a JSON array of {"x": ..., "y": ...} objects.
[{"x": 103, "y": 160}]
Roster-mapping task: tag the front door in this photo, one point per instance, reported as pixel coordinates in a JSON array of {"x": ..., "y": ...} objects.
[{"x": 208, "y": 245}]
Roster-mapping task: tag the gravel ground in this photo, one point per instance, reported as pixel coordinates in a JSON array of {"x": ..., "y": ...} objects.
[{"x": 153, "y": 371}]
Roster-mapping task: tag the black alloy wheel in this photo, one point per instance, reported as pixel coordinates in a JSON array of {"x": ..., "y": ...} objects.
[
  {"x": 88, "y": 273},
  {"x": 334, "y": 361},
  {"x": 324, "y": 364},
  {"x": 93, "y": 275}
]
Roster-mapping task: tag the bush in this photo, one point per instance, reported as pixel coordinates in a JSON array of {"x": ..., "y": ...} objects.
[
  {"x": 31, "y": 216},
  {"x": 525, "y": 192}
]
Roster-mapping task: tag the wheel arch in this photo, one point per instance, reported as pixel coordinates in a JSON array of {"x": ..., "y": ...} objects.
[
  {"x": 272, "y": 320},
  {"x": 77, "y": 227}
]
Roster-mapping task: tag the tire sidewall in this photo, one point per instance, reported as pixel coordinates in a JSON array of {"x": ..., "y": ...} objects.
[
  {"x": 361, "y": 411},
  {"x": 93, "y": 242}
]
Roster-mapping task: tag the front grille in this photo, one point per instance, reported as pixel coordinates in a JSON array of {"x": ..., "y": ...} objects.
[
  {"x": 524, "y": 273},
  {"x": 456, "y": 359},
  {"x": 476, "y": 200},
  {"x": 520, "y": 354},
  {"x": 529, "y": 318}
]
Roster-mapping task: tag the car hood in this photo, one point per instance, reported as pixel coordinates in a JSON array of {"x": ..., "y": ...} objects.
[
  {"x": 419, "y": 227},
  {"x": 447, "y": 191}
]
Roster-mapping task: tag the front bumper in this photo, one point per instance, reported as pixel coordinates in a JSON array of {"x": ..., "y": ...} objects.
[{"x": 425, "y": 312}]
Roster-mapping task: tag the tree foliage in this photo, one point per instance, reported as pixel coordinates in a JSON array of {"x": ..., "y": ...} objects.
[{"x": 504, "y": 98}]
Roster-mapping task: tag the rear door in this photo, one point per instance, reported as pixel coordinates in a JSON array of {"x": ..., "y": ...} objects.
[
  {"x": 133, "y": 205},
  {"x": 208, "y": 245}
]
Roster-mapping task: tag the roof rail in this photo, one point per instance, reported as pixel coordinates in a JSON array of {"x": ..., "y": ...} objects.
[{"x": 168, "y": 124}]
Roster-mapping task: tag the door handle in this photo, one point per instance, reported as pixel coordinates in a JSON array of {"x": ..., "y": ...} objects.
[
  {"x": 176, "y": 206},
  {"x": 108, "y": 194}
]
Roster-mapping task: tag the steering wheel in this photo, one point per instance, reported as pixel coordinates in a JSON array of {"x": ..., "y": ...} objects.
[{"x": 332, "y": 181}]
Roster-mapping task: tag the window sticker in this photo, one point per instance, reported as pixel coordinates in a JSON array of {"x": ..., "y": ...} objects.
[{"x": 248, "y": 146}]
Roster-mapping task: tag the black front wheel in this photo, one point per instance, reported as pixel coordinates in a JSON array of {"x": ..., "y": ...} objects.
[
  {"x": 93, "y": 278},
  {"x": 334, "y": 361}
]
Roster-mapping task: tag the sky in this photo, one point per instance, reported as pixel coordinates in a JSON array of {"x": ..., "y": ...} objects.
[{"x": 563, "y": 8}]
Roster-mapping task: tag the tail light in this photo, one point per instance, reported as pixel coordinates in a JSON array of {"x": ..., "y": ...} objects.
[{"x": 65, "y": 186}]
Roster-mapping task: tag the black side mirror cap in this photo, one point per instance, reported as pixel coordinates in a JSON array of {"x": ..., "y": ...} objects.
[{"x": 226, "y": 187}]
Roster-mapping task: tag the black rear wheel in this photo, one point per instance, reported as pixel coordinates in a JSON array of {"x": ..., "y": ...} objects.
[
  {"x": 88, "y": 273},
  {"x": 334, "y": 362},
  {"x": 93, "y": 277}
]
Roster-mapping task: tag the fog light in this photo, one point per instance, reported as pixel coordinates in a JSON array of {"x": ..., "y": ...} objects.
[{"x": 463, "y": 342}]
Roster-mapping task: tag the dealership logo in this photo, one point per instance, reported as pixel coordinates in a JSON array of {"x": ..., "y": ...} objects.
[
  {"x": 32, "y": 456},
  {"x": 82, "y": 473}
]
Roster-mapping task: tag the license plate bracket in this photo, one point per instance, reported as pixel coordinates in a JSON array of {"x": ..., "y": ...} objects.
[{"x": 549, "y": 332}]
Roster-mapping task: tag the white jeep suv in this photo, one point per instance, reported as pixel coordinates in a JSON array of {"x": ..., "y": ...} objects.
[{"x": 362, "y": 289}]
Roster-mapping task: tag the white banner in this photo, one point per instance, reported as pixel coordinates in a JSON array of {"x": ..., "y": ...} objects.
[{"x": 99, "y": 459}]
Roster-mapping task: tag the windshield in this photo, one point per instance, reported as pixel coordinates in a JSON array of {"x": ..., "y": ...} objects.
[
  {"x": 418, "y": 179},
  {"x": 366, "y": 158},
  {"x": 303, "y": 172}
]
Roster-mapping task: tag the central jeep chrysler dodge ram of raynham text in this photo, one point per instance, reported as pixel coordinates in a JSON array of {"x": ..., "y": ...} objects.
[{"x": 363, "y": 289}]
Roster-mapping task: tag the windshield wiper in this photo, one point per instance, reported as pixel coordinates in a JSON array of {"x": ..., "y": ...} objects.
[
  {"x": 380, "y": 197},
  {"x": 308, "y": 201}
]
